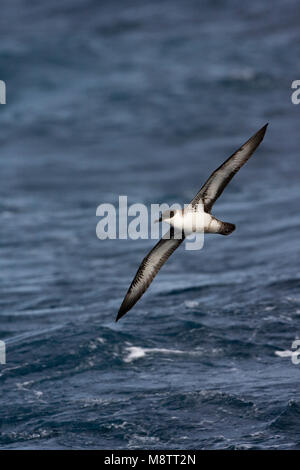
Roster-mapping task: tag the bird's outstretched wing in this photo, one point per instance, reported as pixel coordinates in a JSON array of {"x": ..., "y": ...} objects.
[
  {"x": 219, "y": 179},
  {"x": 148, "y": 269}
]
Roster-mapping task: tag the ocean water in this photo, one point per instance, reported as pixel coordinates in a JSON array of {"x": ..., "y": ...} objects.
[{"x": 146, "y": 99}]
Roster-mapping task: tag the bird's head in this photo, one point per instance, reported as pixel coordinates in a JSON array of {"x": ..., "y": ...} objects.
[{"x": 166, "y": 216}]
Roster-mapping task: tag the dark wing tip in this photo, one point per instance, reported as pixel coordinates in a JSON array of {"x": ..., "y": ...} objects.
[
  {"x": 121, "y": 312},
  {"x": 262, "y": 131},
  {"x": 256, "y": 139},
  {"x": 126, "y": 305},
  {"x": 118, "y": 317}
]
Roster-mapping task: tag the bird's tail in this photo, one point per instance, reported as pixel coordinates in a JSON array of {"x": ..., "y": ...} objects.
[{"x": 226, "y": 228}]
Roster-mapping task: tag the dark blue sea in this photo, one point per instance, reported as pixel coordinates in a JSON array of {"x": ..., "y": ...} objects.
[{"x": 146, "y": 99}]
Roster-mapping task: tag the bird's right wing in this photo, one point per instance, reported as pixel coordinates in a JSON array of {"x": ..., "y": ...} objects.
[
  {"x": 148, "y": 269},
  {"x": 219, "y": 179}
]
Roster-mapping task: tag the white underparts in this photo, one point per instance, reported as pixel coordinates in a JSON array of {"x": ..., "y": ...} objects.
[{"x": 192, "y": 221}]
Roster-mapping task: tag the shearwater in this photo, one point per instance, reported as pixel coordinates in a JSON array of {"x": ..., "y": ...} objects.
[{"x": 196, "y": 217}]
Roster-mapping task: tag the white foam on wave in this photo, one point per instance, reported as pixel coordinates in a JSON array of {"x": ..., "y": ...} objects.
[
  {"x": 286, "y": 353},
  {"x": 136, "y": 352},
  {"x": 191, "y": 303}
]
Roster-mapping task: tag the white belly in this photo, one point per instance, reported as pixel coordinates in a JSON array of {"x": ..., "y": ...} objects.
[{"x": 195, "y": 222}]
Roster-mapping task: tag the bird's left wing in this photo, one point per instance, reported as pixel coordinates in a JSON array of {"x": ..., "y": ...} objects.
[
  {"x": 148, "y": 269},
  {"x": 219, "y": 179}
]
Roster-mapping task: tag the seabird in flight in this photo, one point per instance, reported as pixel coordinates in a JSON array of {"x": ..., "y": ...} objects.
[{"x": 196, "y": 217}]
